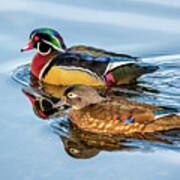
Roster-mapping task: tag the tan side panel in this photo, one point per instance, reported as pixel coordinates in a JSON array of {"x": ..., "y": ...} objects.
[{"x": 58, "y": 76}]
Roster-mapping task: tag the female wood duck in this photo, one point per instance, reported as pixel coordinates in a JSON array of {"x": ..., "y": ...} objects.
[
  {"x": 115, "y": 115},
  {"x": 58, "y": 65}
]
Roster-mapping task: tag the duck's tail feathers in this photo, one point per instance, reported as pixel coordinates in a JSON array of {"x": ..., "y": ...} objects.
[
  {"x": 165, "y": 112},
  {"x": 165, "y": 123},
  {"x": 126, "y": 74}
]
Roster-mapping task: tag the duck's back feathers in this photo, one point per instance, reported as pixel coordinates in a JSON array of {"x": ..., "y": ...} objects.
[
  {"x": 99, "y": 52},
  {"x": 123, "y": 68},
  {"x": 114, "y": 60}
]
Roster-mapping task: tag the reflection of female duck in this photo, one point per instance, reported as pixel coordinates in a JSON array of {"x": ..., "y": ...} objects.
[
  {"x": 55, "y": 64},
  {"x": 84, "y": 145},
  {"x": 115, "y": 115}
]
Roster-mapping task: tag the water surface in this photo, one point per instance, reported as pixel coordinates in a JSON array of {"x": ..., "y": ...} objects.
[{"x": 30, "y": 149}]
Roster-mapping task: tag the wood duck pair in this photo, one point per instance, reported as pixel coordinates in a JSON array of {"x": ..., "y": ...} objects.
[
  {"x": 115, "y": 115},
  {"x": 58, "y": 65}
]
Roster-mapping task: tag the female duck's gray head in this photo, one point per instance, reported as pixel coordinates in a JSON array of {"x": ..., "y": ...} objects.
[
  {"x": 79, "y": 96},
  {"x": 45, "y": 40}
]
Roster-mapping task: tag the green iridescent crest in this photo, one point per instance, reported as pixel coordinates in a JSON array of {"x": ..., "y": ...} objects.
[{"x": 50, "y": 36}]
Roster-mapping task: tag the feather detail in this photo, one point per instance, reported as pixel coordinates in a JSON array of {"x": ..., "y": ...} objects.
[
  {"x": 164, "y": 112},
  {"x": 114, "y": 65},
  {"x": 127, "y": 73},
  {"x": 109, "y": 79},
  {"x": 96, "y": 52}
]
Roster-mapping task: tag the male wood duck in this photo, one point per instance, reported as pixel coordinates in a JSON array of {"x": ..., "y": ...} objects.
[
  {"x": 115, "y": 115},
  {"x": 58, "y": 65}
]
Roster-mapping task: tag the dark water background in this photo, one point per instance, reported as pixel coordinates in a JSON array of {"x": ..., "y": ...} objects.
[{"x": 149, "y": 29}]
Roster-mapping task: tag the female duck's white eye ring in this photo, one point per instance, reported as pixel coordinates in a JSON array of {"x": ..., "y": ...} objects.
[{"x": 71, "y": 95}]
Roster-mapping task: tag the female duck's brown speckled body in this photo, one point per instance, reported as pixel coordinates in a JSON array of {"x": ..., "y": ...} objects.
[{"x": 115, "y": 115}]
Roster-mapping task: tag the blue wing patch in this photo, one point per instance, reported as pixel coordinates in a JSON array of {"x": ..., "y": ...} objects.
[{"x": 106, "y": 59}]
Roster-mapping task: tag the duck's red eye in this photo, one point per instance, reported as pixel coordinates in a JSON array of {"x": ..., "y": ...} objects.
[{"x": 36, "y": 38}]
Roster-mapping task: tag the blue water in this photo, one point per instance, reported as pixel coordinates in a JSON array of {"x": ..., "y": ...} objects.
[{"x": 30, "y": 149}]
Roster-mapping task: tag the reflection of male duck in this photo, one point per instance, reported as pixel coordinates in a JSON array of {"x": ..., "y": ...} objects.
[
  {"x": 55, "y": 64},
  {"x": 132, "y": 90},
  {"x": 43, "y": 106},
  {"x": 115, "y": 115}
]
